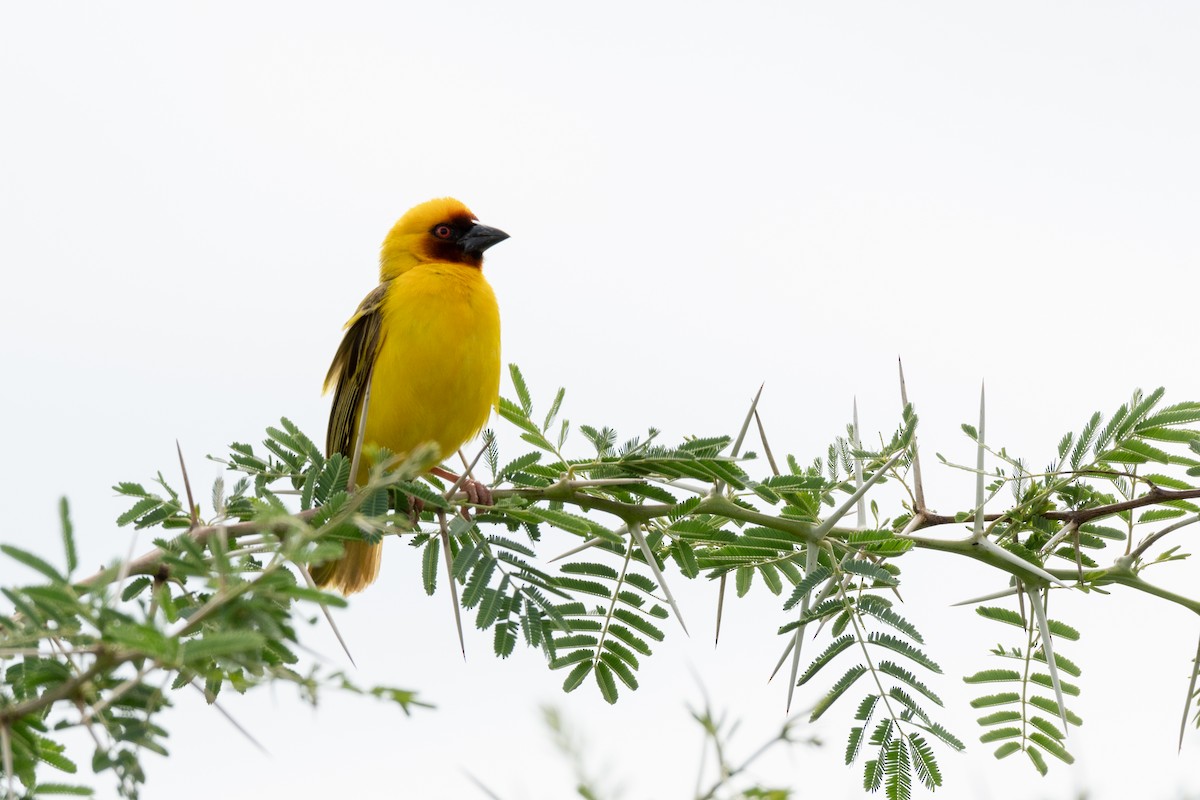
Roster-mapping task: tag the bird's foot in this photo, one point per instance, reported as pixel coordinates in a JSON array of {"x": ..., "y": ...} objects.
[
  {"x": 478, "y": 493},
  {"x": 416, "y": 507}
]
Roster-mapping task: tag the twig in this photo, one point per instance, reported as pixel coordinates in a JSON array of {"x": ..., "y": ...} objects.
[{"x": 1154, "y": 537}]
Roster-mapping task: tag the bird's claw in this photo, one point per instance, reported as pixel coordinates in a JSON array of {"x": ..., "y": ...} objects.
[{"x": 478, "y": 494}]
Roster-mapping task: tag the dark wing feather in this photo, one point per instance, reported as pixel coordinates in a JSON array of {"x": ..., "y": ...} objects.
[{"x": 350, "y": 372}]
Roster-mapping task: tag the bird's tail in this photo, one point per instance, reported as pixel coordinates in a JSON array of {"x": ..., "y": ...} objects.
[{"x": 354, "y": 571}]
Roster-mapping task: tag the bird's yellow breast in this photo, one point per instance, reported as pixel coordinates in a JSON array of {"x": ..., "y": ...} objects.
[{"x": 437, "y": 370}]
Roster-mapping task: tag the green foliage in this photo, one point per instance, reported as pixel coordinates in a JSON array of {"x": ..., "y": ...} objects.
[
  {"x": 214, "y": 607},
  {"x": 900, "y": 751},
  {"x": 1018, "y": 726},
  {"x": 205, "y": 611}
]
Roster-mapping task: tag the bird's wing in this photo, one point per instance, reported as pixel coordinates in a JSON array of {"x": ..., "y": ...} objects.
[{"x": 350, "y": 372}]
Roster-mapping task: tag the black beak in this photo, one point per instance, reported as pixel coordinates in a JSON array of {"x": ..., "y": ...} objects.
[{"x": 479, "y": 238}]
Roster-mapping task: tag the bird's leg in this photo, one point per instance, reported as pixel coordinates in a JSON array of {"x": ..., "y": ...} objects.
[
  {"x": 477, "y": 493},
  {"x": 416, "y": 506}
]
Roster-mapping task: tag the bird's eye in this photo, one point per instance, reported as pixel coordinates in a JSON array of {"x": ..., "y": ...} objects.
[{"x": 443, "y": 232}]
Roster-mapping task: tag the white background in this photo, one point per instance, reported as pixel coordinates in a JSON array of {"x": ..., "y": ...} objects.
[{"x": 701, "y": 197}]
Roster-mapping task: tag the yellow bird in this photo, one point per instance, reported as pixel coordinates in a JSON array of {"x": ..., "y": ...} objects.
[{"x": 428, "y": 340}]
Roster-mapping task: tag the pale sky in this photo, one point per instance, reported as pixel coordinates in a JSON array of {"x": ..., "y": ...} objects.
[{"x": 701, "y": 197}]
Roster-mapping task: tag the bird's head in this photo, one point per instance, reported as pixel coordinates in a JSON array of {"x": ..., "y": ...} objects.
[{"x": 438, "y": 230}]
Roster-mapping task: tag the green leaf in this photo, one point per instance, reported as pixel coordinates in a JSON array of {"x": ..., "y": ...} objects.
[
  {"x": 504, "y": 640},
  {"x": 1052, "y": 747},
  {"x": 572, "y": 523},
  {"x": 491, "y": 604},
  {"x": 1042, "y": 679},
  {"x": 997, "y": 717},
  {"x": 44, "y": 789},
  {"x": 845, "y": 682},
  {"x": 897, "y": 770},
  {"x": 872, "y": 776},
  {"x": 1039, "y": 763},
  {"x": 1051, "y": 707},
  {"x": 685, "y": 558},
  {"x": 639, "y": 623},
  {"x": 141, "y": 639},
  {"x": 1046, "y": 726},
  {"x": 33, "y": 562},
  {"x": 813, "y": 579},
  {"x": 629, "y": 637},
  {"x": 68, "y": 534},
  {"x": 1137, "y": 452},
  {"x": 866, "y": 708},
  {"x": 853, "y": 744},
  {"x": 900, "y": 673},
  {"x": 999, "y": 734},
  {"x": 604, "y": 679},
  {"x": 554, "y": 407},
  {"x": 905, "y": 649},
  {"x": 1004, "y": 615},
  {"x": 1007, "y": 749},
  {"x": 519, "y": 464},
  {"x": 1002, "y": 698},
  {"x": 1060, "y": 661},
  {"x": 1160, "y": 514},
  {"x": 993, "y": 676},
  {"x": 576, "y": 676},
  {"x": 1177, "y": 414},
  {"x": 139, "y": 509},
  {"x": 591, "y": 569},
  {"x": 924, "y": 761},
  {"x": 481, "y": 576},
  {"x": 518, "y": 381},
  {"x": 1084, "y": 440},
  {"x": 770, "y": 576},
  {"x": 134, "y": 588},
  {"x": 881, "y": 609},
  {"x": 744, "y": 577},
  {"x": 620, "y": 668},
  {"x": 835, "y": 647},
  {"x": 869, "y": 570},
  {"x": 1062, "y": 630},
  {"x": 217, "y": 644},
  {"x": 429, "y": 565}
]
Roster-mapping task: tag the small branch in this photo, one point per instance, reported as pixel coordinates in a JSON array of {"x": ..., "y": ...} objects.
[
  {"x": 1154, "y": 496},
  {"x": 62, "y": 691},
  {"x": 1154, "y": 537}
]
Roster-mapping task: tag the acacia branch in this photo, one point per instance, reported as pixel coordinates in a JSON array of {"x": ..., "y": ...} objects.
[{"x": 1082, "y": 516}]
